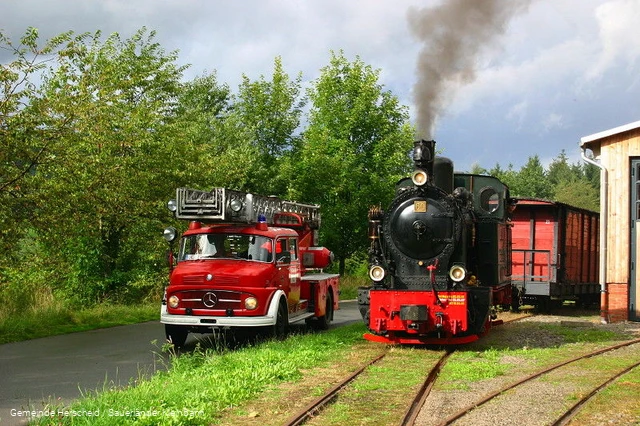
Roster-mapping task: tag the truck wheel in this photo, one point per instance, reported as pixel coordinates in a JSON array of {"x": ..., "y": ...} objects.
[
  {"x": 280, "y": 329},
  {"x": 176, "y": 334},
  {"x": 323, "y": 322}
]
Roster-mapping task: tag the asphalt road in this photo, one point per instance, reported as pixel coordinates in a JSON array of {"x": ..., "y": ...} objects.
[{"x": 58, "y": 369}]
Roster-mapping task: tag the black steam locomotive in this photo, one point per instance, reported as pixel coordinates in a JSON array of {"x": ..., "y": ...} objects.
[{"x": 440, "y": 257}]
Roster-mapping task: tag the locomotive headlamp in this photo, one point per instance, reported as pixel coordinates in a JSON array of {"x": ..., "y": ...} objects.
[
  {"x": 236, "y": 205},
  {"x": 376, "y": 273},
  {"x": 173, "y": 301},
  {"x": 457, "y": 273},
  {"x": 172, "y": 205},
  {"x": 250, "y": 303},
  {"x": 419, "y": 177},
  {"x": 170, "y": 234}
]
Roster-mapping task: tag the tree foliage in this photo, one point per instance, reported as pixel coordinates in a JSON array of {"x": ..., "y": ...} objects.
[
  {"x": 574, "y": 184},
  {"x": 353, "y": 150},
  {"x": 271, "y": 110},
  {"x": 97, "y": 133}
]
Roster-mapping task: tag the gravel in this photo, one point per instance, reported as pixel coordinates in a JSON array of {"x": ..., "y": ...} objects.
[{"x": 539, "y": 402}]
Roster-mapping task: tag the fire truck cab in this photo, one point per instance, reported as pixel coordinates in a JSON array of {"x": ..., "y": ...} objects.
[{"x": 246, "y": 262}]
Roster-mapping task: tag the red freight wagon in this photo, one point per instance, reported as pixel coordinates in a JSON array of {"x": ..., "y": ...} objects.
[{"x": 555, "y": 252}]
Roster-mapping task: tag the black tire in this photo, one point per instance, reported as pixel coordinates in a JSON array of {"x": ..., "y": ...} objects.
[
  {"x": 280, "y": 329},
  {"x": 324, "y": 321},
  {"x": 176, "y": 334}
]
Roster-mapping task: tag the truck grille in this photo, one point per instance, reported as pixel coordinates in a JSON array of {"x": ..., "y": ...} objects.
[{"x": 210, "y": 299}]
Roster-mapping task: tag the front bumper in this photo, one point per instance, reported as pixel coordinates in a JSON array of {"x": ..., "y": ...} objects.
[{"x": 215, "y": 321}]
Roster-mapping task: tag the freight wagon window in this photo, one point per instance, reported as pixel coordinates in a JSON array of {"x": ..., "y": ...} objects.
[{"x": 489, "y": 200}]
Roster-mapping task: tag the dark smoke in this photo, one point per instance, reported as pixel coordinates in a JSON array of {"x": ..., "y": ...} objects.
[{"x": 454, "y": 35}]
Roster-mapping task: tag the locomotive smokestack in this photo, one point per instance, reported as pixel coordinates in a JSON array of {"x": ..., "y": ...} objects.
[
  {"x": 424, "y": 153},
  {"x": 454, "y": 35}
]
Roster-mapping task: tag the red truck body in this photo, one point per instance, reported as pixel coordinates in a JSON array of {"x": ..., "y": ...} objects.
[{"x": 246, "y": 262}]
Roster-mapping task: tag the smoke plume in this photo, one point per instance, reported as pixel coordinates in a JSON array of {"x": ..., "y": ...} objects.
[{"x": 454, "y": 35}]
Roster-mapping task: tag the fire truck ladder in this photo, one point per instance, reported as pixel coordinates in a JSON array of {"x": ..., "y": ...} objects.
[{"x": 229, "y": 206}]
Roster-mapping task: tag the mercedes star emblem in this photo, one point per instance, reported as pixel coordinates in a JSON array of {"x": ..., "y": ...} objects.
[{"x": 209, "y": 299}]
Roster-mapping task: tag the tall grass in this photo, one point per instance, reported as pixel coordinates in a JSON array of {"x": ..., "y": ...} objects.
[
  {"x": 349, "y": 286},
  {"x": 55, "y": 318}
]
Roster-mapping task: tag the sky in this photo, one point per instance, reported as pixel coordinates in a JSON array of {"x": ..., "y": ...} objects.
[{"x": 492, "y": 81}]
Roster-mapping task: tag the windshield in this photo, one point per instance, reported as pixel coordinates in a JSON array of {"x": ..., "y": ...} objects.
[{"x": 226, "y": 246}]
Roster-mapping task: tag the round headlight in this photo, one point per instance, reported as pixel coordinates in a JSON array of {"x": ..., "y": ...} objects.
[
  {"x": 170, "y": 234},
  {"x": 376, "y": 273},
  {"x": 236, "y": 205},
  {"x": 457, "y": 273},
  {"x": 419, "y": 177},
  {"x": 251, "y": 303},
  {"x": 172, "y": 205},
  {"x": 173, "y": 301}
]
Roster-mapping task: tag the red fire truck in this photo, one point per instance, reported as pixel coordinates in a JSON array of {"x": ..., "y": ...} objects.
[{"x": 246, "y": 263}]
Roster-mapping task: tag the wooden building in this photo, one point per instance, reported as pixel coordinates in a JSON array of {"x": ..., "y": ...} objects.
[{"x": 617, "y": 153}]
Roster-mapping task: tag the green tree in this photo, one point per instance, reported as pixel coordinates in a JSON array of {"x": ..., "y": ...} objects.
[
  {"x": 30, "y": 134},
  {"x": 578, "y": 193},
  {"x": 561, "y": 171},
  {"x": 98, "y": 202},
  {"x": 531, "y": 181},
  {"x": 354, "y": 150},
  {"x": 214, "y": 145},
  {"x": 476, "y": 169},
  {"x": 571, "y": 185},
  {"x": 271, "y": 110}
]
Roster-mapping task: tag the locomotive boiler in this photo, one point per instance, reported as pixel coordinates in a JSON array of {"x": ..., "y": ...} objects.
[{"x": 439, "y": 260}]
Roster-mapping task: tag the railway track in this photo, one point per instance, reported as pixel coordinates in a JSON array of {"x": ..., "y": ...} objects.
[
  {"x": 316, "y": 406},
  {"x": 571, "y": 412},
  {"x": 418, "y": 401}
]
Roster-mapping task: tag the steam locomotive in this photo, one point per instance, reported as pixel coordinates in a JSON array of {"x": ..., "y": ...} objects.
[{"x": 440, "y": 256}]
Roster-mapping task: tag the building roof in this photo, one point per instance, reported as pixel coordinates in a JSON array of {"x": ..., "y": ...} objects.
[{"x": 585, "y": 140}]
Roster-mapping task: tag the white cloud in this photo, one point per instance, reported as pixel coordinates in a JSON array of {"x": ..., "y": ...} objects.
[
  {"x": 567, "y": 66},
  {"x": 619, "y": 35}
]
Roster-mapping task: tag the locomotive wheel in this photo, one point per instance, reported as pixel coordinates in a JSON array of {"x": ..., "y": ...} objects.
[{"x": 176, "y": 334}]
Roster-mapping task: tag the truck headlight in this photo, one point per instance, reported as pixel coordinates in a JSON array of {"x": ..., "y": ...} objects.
[
  {"x": 250, "y": 303},
  {"x": 173, "y": 301}
]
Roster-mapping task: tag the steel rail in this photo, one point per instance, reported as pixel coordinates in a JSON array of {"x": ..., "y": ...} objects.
[
  {"x": 571, "y": 412},
  {"x": 316, "y": 405},
  {"x": 418, "y": 401},
  {"x": 493, "y": 395}
]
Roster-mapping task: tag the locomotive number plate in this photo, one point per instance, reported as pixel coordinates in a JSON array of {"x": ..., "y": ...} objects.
[{"x": 420, "y": 206}]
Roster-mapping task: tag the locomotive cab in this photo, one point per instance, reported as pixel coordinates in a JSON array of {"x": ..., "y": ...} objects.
[{"x": 439, "y": 255}]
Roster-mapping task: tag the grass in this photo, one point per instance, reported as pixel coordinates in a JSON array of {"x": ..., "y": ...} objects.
[
  {"x": 349, "y": 286},
  {"x": 56, "y": 320},
  {"x": 380, "y": 396},
  {"x": 266, "y": 383},
  {"x": 200, "y": 386},
  {"x": 53, "y": 318},
  {"x": 626, "y": 409}
]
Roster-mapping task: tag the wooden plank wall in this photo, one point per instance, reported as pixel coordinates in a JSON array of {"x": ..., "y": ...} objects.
[{"x": 616, "y": 151}]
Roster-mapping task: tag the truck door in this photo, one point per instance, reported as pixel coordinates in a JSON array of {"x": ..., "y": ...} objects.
[{"x": 288, "y": 269}]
